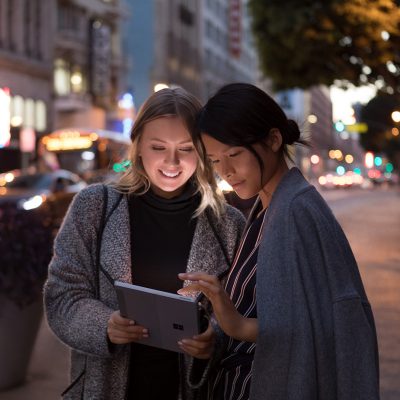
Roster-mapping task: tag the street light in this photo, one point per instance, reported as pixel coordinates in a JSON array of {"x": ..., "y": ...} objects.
[{"x": 396, "y": 116}]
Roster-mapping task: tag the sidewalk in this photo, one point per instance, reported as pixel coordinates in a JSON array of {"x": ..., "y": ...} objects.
[{"x": 48, "y": 370}]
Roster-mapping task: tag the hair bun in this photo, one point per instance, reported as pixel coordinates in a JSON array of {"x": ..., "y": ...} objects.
[{"x": 293, "y": 132}]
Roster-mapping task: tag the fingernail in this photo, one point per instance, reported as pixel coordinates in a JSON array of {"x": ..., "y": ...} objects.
[
  {"x": 180, "y": 343},
  {"x": 145, "y": 331},
  {"x": 183, "y": 341},
  {"x": 145, "y": 335},
  {"x": 131, "y": 322}
]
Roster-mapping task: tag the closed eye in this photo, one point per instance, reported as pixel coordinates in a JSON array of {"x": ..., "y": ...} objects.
[
  {"x": 214, "y": 161},
  {"x": 234, "y": 154},
  {"x": 157, "y": 148},
  {"x": 187, "y": 149}
]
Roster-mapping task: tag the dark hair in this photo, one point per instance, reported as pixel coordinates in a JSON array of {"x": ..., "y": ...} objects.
[{"x": 241, "y": 114}]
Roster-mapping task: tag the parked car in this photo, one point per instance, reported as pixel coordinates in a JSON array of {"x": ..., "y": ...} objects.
[{"x": 48, "y": 192}]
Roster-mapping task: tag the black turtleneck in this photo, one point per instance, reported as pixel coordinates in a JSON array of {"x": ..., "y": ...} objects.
[{"x": 161, "y": 237}]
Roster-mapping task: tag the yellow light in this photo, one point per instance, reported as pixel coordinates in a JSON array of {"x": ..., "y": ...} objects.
[
  {"x": 9, "y": 177},
  {"x": 314, "y": 159},
  {"x": 160, "y": 86},
  {"x": 68, "y": 143},
  {"x": 332, "y": 154},
  {"x": 338, "y": 155},
  {"x": 349, "y": 158},
  {"x": 16, "y": 121},
  {"x": 3, "y": 191},
  {"x": 94, "y": 136},
  {"x": 76, "y": 79},
  {"x": 395, "y": 131},
  {"x": 312, "y": 119},
  {"x": 396, "y": 116},
  {"x": 322, "y": 180}
]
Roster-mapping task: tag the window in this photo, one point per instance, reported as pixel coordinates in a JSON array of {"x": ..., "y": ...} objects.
[
  {"x": 17, "y": 111},
  {"x": 61, "y": 77},
  {"x": 69, "y": 18},
  {"x": 40, "y": 116},
  {"x": 29, "y": 120},
  {"x": 68, "y": 79},
  {"x": 77, "y": 82}
]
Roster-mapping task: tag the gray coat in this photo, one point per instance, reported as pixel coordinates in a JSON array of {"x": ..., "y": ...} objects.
[
  {"x": 317, "y": 338},
  {"x": 73, "y": 312}
]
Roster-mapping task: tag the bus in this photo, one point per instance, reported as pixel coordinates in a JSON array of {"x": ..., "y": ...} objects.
[{"x": 93, "y": 154}]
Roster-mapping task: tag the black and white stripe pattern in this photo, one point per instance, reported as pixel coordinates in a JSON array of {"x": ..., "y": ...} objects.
[{"x": 234, "y": 378}]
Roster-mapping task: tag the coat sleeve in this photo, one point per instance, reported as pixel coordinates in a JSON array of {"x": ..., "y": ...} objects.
[
  {"x": 73, "y": 312},
  {"x": 321, "y": 241}
]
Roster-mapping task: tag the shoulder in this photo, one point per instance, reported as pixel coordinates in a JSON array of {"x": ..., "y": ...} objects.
[
  {"x": 232, "y": 213},
  {"x": 309, "y": 200},
  {"x": 231, "y": 218},
  {"x": 88, "y": 203}
]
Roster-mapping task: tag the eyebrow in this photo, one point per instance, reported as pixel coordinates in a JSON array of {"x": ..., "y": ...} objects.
[{"x": 163, "y": 141}]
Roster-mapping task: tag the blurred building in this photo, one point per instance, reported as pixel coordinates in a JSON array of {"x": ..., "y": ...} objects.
[
  {"x": 60, "y": 67},
  {"x": 226, "y": 47},
  {"x": 312, "y": 110},
  {"x": 26, "y": 58},
  {"x": 161, "y": 40},
  {"x": 88, "y": 62},
  {"x": 199, "y": 45}
]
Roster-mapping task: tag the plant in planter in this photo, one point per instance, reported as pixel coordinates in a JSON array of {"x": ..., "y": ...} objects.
[
  {"x": 25, "y": 252},
  {"x": 26, "y": 242}
]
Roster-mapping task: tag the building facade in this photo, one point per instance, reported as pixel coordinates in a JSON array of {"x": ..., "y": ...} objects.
[
  {"x": 226, "y": 46},
  {"x": 26, "y": 56},
  {"x": 199, "y": 45},
  {"x": 60, "y": 67},
  {"x": 88, "y": 63},
  {"x": 161, "y": 41}
]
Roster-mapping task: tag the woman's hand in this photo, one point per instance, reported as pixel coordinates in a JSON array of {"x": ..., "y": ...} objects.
[
  {"x": 122, "y": 330},
  {"x": 200, "y": 346},
  {"x": 229, "y": 319}
]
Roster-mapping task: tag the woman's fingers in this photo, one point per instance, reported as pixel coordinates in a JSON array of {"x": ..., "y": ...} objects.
[
  {"x": 121, "y": 330},
  {"x": 199, "y": 276}
]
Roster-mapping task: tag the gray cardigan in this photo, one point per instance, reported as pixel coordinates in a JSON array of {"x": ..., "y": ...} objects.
[
  {"x": 77, "y": 318},
  {"x": 317, "y": 338}
]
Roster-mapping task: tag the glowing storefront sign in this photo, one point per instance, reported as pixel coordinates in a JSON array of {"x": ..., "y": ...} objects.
[
  {"x": 67, "y": 143},
  {"x": 5, "y": 116}
]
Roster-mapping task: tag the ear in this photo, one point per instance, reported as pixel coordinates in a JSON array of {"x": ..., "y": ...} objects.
[{"x": 274, "y": 140}]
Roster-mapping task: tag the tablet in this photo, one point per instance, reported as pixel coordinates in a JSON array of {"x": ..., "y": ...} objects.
[{"x": 169, "y": 317}]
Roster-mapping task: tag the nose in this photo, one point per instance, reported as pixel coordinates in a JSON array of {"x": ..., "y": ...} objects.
[
  {"x": 225, "y": 169},
  {"x": 172, "y": 157}
]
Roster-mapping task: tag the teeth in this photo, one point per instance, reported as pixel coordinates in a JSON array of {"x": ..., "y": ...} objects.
[{"x": 170, "y": 174}]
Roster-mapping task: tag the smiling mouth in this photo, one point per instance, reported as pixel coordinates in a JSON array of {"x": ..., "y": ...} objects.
[
  {"x": 170, "y": 174},
  {"x": 234, "y": 185}
]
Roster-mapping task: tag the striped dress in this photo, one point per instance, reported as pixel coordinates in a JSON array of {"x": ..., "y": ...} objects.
[{"x": 234, "y": 377}]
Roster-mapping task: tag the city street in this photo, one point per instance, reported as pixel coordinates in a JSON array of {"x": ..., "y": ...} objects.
[{"x": 371, "y": 221}]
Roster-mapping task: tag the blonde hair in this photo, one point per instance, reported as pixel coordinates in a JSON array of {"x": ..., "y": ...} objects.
[{"x": 179, "y": 103}]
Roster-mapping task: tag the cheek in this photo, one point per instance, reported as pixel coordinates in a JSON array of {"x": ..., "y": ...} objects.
[{"x": 191, "y": 161}]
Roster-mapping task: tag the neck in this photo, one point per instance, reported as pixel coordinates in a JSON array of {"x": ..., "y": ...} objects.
[{"x": 270, "y": 187}]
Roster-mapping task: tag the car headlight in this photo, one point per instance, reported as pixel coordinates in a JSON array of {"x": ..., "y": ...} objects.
[{"x": 32, "y": 202}]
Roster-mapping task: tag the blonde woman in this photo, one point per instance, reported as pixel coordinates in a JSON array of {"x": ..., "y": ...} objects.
[{"x": 164, "y": 216}]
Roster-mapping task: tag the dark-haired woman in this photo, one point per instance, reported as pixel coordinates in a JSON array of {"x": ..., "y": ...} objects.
[{"x": 297, "y": 320}]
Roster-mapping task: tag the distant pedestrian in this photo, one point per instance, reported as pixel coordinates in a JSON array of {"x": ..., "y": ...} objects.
[
  {"x": 163, "y": 216},
  {"x": 297, "y": 321}
]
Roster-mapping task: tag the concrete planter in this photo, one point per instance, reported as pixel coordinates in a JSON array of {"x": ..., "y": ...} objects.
[{"x": 18, "y": 331}]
